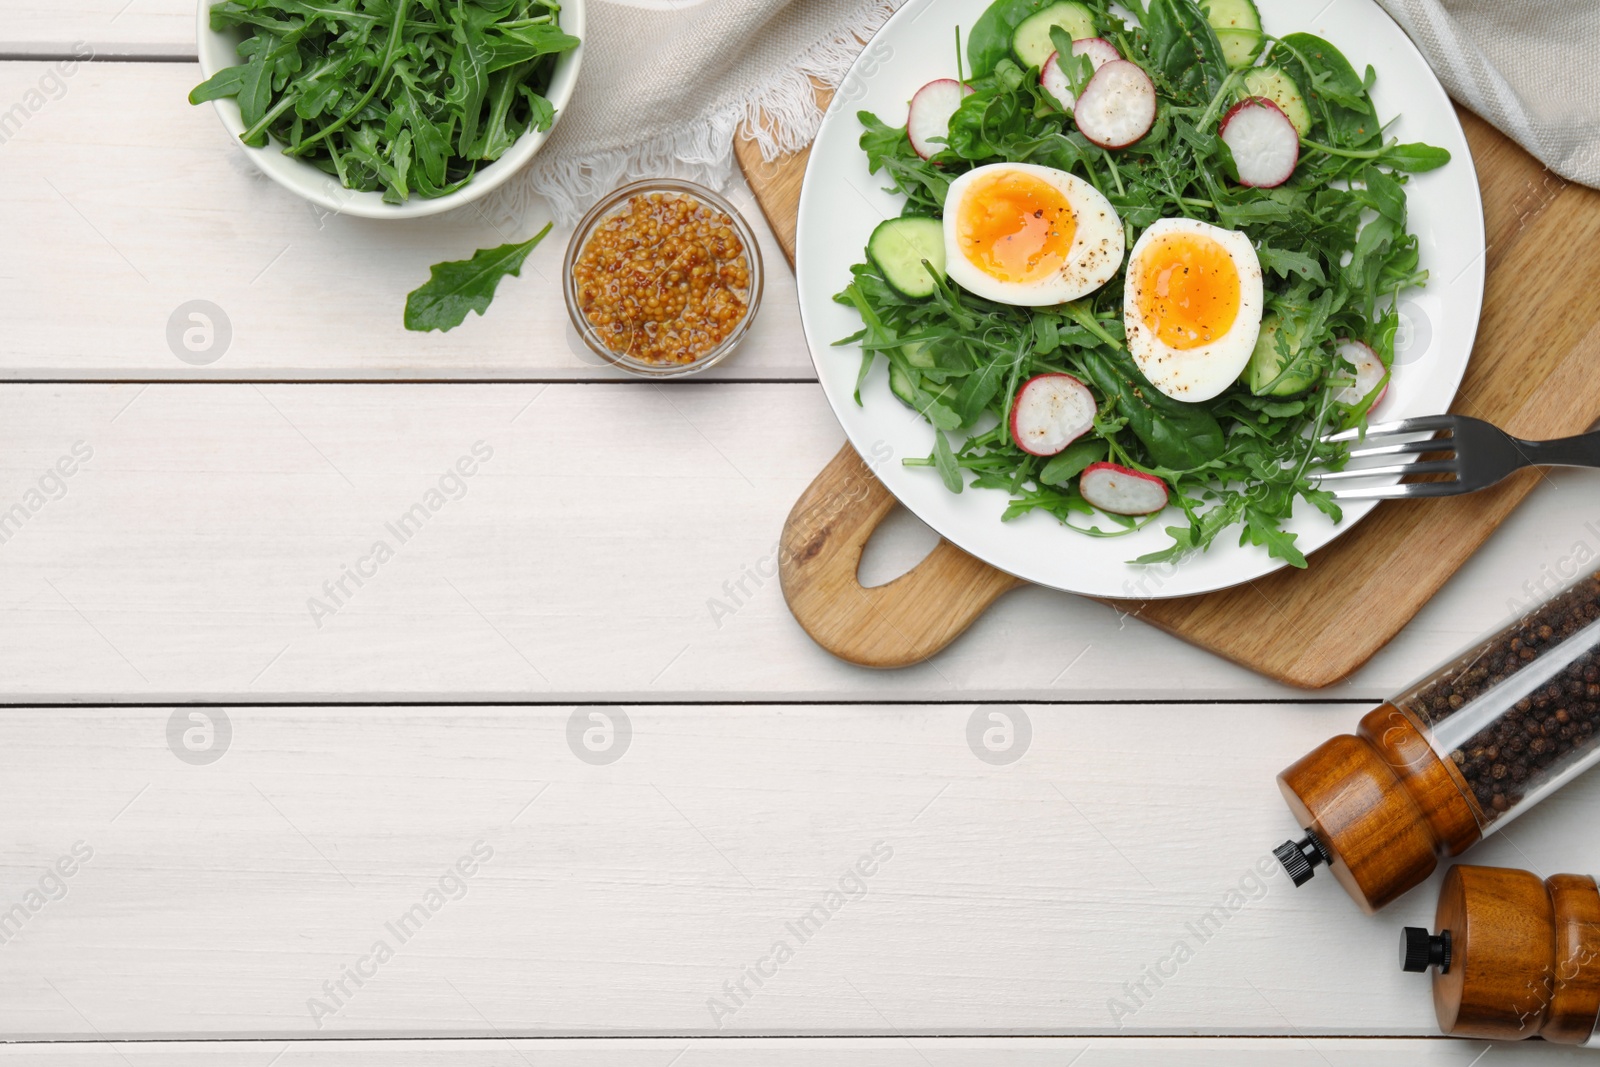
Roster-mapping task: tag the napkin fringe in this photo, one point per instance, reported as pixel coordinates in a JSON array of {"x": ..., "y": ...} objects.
[{"x": 780, "y": 115}]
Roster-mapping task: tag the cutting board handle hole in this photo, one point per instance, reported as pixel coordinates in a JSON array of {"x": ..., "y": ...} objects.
[
  {"x": 916, "y": 601},
  {"x": 900, "y": 542}
]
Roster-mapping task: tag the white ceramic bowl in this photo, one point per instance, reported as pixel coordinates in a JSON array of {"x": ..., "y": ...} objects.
[{"x": 217, "y": 50}]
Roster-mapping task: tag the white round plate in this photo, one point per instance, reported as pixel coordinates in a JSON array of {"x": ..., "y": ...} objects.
[{"x": 841, "y": 202}]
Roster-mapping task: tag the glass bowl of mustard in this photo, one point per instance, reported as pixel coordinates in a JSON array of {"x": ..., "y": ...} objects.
[{"x": 663, "y": 278}]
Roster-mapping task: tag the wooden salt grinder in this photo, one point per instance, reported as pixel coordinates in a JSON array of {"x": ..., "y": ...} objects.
[{"x": 1515, "y": 956}]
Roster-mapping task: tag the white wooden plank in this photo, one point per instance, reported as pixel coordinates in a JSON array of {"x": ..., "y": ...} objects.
[
  {"x": 848, "y": 1052},
  {"x": 109, "y": 27},
  {"x": 122, "y": 203},
  {"x": 587, "y": 560},
  {"x": 1007, "y": 899},
  {"x": 583, "y": 560}
]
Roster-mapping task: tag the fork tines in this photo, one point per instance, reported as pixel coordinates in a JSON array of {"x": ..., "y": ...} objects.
[
  {"x": 1382, "y": 440},
  {"x": 1421, "y": 424}
]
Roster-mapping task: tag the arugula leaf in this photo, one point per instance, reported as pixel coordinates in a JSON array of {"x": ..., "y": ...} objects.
[
  {"x": 229, "y": 81},
  {"x": 990, "y": 39},
  {"x": 1073, "y": 461},
  {"x": 518, "y": 44},
  {"x": 1414, "y": 158},
  {"x": 1284, "y": 262},
  {"x": 1184, "y": 52},
  {"x": 1078, "y": 69},
  {"x": 255, "y": 88},
  {"x": 469, "y": 80},
  {"x": 1262, "y": 529},
  {"x": 945, "y": 461},
  {"x": 1178, "y": 436},
  {"x": 888, "y": 149},
  {"x": 460, "y": 286},
  {"x": 1200, "y": 532},
  {"x": 1337, "y": 98},
  {"x": 984, "y": 121},
  {"x": 1385, "y": 194}
]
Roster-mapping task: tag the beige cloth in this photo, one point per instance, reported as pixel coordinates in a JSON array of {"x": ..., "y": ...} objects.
[
  {"x": 665, "y": 85},
  {"x": 1530, "y": 67}
]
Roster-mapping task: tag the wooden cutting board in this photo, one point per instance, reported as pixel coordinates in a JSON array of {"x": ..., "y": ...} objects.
[{"x": 1535, "y": 372}]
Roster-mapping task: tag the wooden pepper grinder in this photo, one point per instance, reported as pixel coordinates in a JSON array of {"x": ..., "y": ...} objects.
[
  {"x": 1515, "y": 956},
  {"x": 1457, "y": 756}
]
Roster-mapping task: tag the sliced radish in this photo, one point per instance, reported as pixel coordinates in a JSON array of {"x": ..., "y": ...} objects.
[
  {"x": 1051, "y": 411},
  {"x": 1099, "y": 50},
  {"x": 1115, "y": 488},
  {"x": 1118, "y": 106},
  {"x": 931, "y": 109},
  {"x": 1263, "y": 141},
  {"x": 1369, "y": 372},
  {"x": 1054, "y": 80}
]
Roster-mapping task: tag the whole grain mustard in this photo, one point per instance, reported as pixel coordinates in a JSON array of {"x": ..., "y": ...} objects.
[{"x": 665, "y": 280}]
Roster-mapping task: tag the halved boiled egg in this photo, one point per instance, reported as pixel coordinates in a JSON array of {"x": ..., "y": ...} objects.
[
  {"x": 1031, "y": 236},
  {"x": 1192, "y": 306}
]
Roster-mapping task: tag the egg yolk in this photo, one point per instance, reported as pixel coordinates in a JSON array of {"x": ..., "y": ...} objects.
[
  {"x": 1015, "y": 226},
  {"x": 1189, "y": 290}
]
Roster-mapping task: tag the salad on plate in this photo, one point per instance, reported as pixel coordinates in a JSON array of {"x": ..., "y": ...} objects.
[{"x": 1143, "y": 266}]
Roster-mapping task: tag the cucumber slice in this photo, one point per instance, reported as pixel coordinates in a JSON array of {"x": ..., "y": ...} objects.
[
  {"x": 919, "y": 354},
  {"x": 899, "y": 246},
  {"x": 900, "y": 385},
  {"x": 1232, "y": 15},
  {"x": 1031, "y": 41},
  {"x": 1267, "y": 365},
  {"x": 1240, "y": 47},
  {"x": 1275, "y": 85}
]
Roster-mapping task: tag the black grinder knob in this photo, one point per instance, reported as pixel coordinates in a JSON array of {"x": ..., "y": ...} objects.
[
  {"x": 1300, "y": 858},
  {"x": 1420, "y": 950}
]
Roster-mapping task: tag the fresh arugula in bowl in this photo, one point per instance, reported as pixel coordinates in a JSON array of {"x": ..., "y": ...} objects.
[{"x": 406, "y": 97}]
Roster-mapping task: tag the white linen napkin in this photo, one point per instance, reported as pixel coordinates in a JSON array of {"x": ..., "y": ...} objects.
[
  {"x": 1527, "y": 66},
  {"x": 665, "y": 85}
]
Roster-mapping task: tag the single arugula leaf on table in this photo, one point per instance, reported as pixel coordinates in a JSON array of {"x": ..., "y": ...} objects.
[{"x": 460, "y": 286}]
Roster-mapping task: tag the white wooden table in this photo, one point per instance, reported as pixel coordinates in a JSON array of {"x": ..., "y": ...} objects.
[{"x": 432, "y": 722}]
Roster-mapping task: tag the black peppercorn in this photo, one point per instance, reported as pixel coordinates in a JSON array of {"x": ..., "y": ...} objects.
[{"x": 1544, "y": 730}]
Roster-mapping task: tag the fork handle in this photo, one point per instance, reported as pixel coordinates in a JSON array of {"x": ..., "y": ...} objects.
[{"x": 1580, "y": 451}]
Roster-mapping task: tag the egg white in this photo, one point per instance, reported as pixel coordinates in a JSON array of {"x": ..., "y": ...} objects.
[
  {"x": 1094, "y": 258},
  {"x": 1200, "y": 373}
]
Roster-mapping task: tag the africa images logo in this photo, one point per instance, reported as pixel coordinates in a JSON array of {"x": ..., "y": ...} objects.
[
  {"x": 451, "y": 485},
  {"x": 452, "y": 885},
  {"x": 851, "y": 885}
]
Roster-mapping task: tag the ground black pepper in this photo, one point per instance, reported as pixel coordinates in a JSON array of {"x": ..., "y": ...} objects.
[{"x": 1541, "y": 733}]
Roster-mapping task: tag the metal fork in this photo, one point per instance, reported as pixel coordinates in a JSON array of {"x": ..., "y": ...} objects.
[{"x": 1474, "y": 453}]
